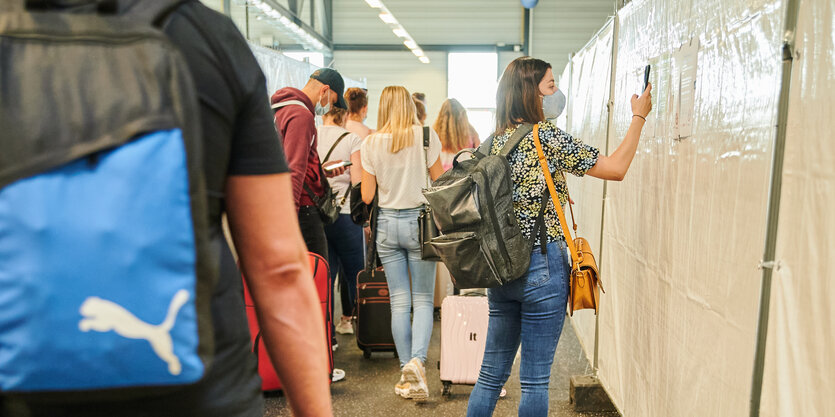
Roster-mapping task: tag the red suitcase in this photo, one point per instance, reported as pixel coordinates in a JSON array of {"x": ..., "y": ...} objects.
[{"x": 322, "y": 278}]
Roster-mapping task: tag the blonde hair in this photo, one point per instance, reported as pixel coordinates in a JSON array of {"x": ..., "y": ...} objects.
[
  {"x": 396, "y": 115},
  {"x": 453, "y": 126}
]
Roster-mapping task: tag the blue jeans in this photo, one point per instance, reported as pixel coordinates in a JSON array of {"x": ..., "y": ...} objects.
[
  {"x": 399, "y": 250},
  {"x": 345, "y": 253},
  {"x": 530, "y": 310}
]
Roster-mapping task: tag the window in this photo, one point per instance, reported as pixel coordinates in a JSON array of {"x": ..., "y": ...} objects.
[{"x": 472, "y": 78}]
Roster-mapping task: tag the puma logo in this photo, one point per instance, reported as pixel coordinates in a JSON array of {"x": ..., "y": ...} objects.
[{"x": 103, "y": 316}]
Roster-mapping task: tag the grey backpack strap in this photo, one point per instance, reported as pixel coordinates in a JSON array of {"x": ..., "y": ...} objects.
[
  {"x": 485, "y": 146},
  {"x": 514, "y": 140}
]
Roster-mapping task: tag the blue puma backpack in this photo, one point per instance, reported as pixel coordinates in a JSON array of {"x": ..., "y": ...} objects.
[{"x": 106, "y": 266}]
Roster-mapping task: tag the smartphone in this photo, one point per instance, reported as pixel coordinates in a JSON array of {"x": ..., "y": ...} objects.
[
  {"x": 339, "y": 165},
  {"x": 646, "y": 77}
]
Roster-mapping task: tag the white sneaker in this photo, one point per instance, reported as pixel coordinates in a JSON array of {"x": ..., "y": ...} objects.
[
  {"x": 401, "y": 388},
  {"x": 338, "y": 375},
  {"x": 415, "y": 374},
  {"x": 344, "y": 326}
]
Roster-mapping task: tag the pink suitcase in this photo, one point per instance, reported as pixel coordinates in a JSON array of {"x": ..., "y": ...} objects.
[{"x": 463, "y": 335}]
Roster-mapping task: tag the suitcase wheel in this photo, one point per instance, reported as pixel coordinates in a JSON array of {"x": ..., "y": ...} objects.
[
  {"x": 446, "y": 390},
  {"x": 366, "y": 353}
]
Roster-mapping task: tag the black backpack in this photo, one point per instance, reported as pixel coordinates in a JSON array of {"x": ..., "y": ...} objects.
[
  {"x": 481, "y": 242},
  {"x": 106, "y": 262}
]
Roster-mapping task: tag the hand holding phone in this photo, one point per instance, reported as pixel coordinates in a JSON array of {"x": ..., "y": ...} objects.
[
  {"x": 340, "y": 164},
  {"x": 646, "y": 77}
]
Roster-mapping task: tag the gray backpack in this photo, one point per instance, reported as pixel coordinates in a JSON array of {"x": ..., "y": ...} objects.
[{"x": 481, "y": 242}]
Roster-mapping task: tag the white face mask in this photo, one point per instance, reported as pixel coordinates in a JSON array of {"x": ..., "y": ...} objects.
[
  {"x": 553, "y": 105},
  {"x": 322, "y": 110}
]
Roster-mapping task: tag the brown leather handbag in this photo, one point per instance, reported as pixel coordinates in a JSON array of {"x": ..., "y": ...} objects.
[{"x": 584, "y": 284}]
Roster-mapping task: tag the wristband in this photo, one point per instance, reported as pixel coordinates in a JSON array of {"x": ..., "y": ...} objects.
[{"x": 638, "y": 115}]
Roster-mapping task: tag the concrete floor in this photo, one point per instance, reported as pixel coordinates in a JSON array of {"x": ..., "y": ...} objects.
[{"x": 368, "y": 388}]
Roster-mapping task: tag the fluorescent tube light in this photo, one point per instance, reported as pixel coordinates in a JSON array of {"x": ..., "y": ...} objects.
[
  {"x": 410, "y": 44},
  {"x": 400, "y": 32},
  {"x": 388, "y": 18},
  {"x": 374, "y": 3},
  {"x": 424, "y": 59}
]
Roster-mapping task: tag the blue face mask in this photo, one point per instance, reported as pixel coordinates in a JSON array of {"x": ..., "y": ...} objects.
[
  {"x": 321, "y": 111},
  {"x": 553, "y": 105}
]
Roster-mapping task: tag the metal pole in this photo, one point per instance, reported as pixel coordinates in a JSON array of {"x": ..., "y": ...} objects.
[
  {"x": 609, "y": 123},
  {"x": 526, "y": 33},
  {"x": 768, "y": 265},
  {"x": 530, "y": 33}
]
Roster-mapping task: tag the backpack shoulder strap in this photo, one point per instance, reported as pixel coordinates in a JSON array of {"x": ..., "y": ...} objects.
[
  {"x": 514, "y": 140},
  {"x": 279, "y": 105},
  {"x": 485, "y": 146},
  {"x": 330, "y": 151}
]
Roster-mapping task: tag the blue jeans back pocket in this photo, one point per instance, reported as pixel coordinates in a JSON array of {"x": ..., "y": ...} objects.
[{"x": 538, "y": 272}]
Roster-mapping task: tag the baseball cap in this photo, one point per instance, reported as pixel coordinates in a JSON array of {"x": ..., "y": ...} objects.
[{"x": 332, "y": 79}]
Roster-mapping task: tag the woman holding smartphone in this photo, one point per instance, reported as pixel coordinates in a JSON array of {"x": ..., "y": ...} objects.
[{"x": 530, "y": 310}]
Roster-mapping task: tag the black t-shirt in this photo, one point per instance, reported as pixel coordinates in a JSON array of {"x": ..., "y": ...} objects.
[{"x": 239, "y": 139}]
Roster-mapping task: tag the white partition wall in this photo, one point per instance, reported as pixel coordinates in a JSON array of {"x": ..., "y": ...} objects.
[
  {"x": 590, "y": 84},
  {"x": 684, "y": 233},
  {"x": 800, "y": 355},
  {"x": 282, "y": 71}
]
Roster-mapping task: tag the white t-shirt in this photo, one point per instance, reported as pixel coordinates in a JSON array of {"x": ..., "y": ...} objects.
[
  {"x": 403, "y": 175},
  {"x": 342, "y": 152}
]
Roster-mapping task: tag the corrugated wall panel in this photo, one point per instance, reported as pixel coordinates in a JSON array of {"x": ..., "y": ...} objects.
[{"x": 382, "y": 69}]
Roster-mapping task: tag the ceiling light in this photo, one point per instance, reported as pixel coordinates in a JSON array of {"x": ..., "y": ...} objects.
[{"x": 388, "y": 18}]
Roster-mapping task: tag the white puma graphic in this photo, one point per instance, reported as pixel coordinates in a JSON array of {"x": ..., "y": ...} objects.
[{"x": 103, "y": 316}]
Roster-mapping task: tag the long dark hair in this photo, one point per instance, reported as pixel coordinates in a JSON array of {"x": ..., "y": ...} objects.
[{"x": 518, "y": 97}]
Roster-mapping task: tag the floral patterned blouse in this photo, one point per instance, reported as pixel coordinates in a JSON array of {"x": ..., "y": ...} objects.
[{"x": 564, "y": 154}]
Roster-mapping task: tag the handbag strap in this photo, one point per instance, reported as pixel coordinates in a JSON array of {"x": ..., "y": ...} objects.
[
  {"x": 330, "y": 151},
  {"x": 575, "y": 258},
  {"x": 426, "y": 153}
]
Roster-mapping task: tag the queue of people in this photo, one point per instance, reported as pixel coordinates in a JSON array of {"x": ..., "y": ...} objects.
[{"x": 258, "y": 161}]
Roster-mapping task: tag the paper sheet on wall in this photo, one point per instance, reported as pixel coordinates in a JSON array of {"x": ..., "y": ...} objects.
[{"x": 686, "y": 62}]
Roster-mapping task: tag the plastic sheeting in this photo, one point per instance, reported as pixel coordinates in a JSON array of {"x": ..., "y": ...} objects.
[
  {"x": 683, "y": 234},
  {"x": 589, "y": 120},
  {"x": 799, "y": 378},
  {"x": 282, "y": 71}
]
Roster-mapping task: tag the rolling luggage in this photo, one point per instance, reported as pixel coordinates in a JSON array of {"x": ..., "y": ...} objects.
[
  {"x": 463, "y": 335},
  {"x": 322, "y": 277},
  {"x": 373, "y": 324}
]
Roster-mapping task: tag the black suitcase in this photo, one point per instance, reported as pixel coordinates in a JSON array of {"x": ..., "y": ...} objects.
[{"x": 373, "y": 324}]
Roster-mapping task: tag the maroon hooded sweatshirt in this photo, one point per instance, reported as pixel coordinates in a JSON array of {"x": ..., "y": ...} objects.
[{"x": 298, "y": 134}]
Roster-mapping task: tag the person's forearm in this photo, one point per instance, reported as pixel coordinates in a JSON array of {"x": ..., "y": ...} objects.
[
  {"x": 291, "y": 321},
  {"x": 623, "y": 155},
  {"x": 275, "y": 262}
]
